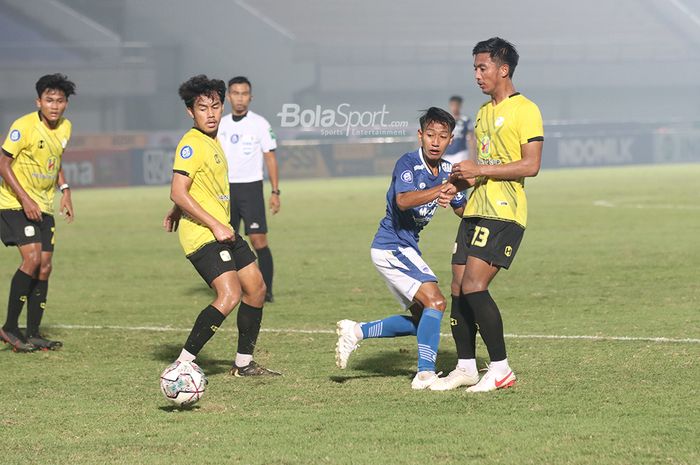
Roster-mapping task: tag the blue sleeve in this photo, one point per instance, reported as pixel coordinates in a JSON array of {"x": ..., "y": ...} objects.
[
  {"x": 403, "y": 176},
  {"x": 459, "y": 200}
]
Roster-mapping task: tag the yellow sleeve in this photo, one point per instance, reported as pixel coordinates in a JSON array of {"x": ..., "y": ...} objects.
[
  {"x": 17, "y": 139},
  {"x": 530, "y": 123},
  {"x": 188, "y": 158}
]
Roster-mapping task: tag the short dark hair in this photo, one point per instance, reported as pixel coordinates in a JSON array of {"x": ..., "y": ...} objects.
[
  {"x": 456, "y": 98},
  {"x": 201, "y": 85},
  {"x": 56, "y": 81},
  {"x": 240, "y": 80},
  {"x": 500, "y": 51},
  {"x": 436, "y": 115}
]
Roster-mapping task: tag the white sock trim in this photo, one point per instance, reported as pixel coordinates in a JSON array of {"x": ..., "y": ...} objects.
[{"x": 243, "y": 360}]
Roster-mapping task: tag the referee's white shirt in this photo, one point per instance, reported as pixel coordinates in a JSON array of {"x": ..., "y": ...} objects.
[{"x": 244, "y": 143}]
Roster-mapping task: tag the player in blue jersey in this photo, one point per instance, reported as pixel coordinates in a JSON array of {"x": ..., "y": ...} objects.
[
  {"x": 463, "y": 145},
  {"x": 418, "y": 187}
]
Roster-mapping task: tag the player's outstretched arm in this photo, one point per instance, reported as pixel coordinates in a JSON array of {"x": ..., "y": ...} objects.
[
  {"x": 66, "y": 205},
  {"x": 180, "y": 195},
  {"x": 30, "y": 207},
  {"x": 406, "y": 200},
  {"x": 528, "y": 166}
]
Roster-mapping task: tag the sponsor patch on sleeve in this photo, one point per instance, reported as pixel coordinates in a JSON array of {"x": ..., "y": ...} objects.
[{"x": 186, "y": 152}]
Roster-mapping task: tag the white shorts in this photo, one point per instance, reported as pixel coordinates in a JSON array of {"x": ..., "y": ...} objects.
[{"x": 403, "y": 270}]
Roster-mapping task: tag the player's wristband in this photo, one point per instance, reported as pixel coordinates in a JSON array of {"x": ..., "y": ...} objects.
[
  {"x": 63, "y": 187},
  {"x": 276, "y": 192}
]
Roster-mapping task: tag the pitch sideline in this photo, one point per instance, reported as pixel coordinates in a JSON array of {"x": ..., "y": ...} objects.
[{"x": 328, "y": 331}]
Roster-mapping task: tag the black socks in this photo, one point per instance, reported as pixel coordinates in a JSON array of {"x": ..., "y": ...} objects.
[
  {"x": 463, "y": 328},
  {"x": 249, "y": 319},
  {"x": 206, "y": 324},
  {"x": 488, "y": 317},
  {"x": 35, "y": 307},
  {"x": 266, "y": 266},
  {"x": 20, "y": 288}
]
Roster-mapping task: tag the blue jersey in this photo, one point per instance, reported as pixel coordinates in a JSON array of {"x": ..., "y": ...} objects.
[
  {"x": 401, "y": 228},
  {"x": 462, "y": 128}
]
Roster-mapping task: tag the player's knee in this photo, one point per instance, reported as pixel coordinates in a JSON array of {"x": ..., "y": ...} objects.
[
  {"x": 437, "y": 301},
  {"x": 45, "y": 271},
  {"x": 259, "y": 241},
  {"x": 470, "y": 286},
  {"x": 31, "y": 263},
  {"x": 228, "y": 300}
]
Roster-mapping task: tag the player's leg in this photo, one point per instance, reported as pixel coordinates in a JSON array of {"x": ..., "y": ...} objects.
[
  {"x": 478, "y": 275},
  {"x": 428, "y": 333},
  {"x": 253, "y": 212},
  {"x": 215, "y": 264},
  {"x": 403, "y": 287},
  {"x": 36, "y": 302},
  {"x": 17, "y": 230},
  {"x": 250, "y": 312}
]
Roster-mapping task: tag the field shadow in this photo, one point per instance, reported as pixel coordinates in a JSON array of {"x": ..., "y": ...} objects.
[
  {"x": 176, "y": 408},
  {"x": 169, "y": 352},
  {"x": 379, "y": 365}
]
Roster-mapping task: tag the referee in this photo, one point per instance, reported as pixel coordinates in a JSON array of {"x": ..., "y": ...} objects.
[{"x": 248, "y": 141}]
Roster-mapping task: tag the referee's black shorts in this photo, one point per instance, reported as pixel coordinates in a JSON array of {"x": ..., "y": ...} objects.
[{"x": 248, "y": 204}]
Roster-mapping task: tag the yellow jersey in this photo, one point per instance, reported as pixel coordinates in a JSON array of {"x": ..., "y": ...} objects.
[
  {"x": 36, "y": 152},
  {"x": 500, "y": 131},
  {"x": 202, "y": 159}
]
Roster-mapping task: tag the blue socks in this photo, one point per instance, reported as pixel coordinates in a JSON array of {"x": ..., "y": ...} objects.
[
  {"x": 428, "y": 339},
  {"x": 397, "y": 325}
]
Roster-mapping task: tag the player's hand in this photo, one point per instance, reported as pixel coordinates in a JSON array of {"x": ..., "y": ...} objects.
[
  {"x": 223, "y": 233},
  {"x": 66, "y": 207},
  {"x": 274, "y": 204},
  {"x": 31, "y": 209},
  {"x": 465, "y": 169},
  {"x": 172, "y": 219},
  {"x": 447, "y": 193}
]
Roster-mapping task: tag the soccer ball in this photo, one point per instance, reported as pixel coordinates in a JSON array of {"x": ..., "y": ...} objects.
[{"x": 183, "y": 383}]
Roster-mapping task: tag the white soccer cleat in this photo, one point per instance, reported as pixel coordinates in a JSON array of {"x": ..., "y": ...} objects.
[
  {"x": 493, "y": 380},
  {"x": 423, "y": 380},
  {"x": 347, "y": 342},
  {"x": 457, "y": 377}
]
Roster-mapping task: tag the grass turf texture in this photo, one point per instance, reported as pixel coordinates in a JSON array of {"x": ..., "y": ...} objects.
[{"x": 582, "y": 270}]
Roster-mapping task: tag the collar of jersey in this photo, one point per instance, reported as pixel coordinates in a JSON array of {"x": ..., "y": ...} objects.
[{"x": 427, "y": 168}]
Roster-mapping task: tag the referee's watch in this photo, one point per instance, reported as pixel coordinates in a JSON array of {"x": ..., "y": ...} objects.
[{"x": 276, "y": 192}]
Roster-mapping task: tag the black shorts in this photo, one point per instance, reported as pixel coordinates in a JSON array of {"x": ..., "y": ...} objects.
[
  {"x": 248, "y": 203},
  {"x": 494, "y": 241},
  {"x": 216, "y": 258},
  {"x": 17, "y": 229}
]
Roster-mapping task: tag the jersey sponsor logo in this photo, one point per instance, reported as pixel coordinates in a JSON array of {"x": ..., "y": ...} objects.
[
  {"x": 459, "y": 196},
  {"x": 186, "y": 152},
  {"x": 224, "y": 197},
  {"x": 51, "y": 164},
  {"x": 272, "y": 135},
  {"x": 418, "y": 167},
  {"x": 29, "y": 231},
  {"x": 499, "y": 121},
  {"x": 15, "y": 135},
  {"x": 407, "y": 176},
  {"x": 502, "y": 203},
  {"x": 225, "y": 255},
  {"x": 64, "y": 142},
  {"x": 485, "y": 147},
  {"x": 446, "y": 166},
  {"x": 421, "y": 185},
  {"x": 235, "y": 138}
]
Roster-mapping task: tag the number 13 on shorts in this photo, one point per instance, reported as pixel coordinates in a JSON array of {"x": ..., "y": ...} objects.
[{"x": 481, "y": 236}]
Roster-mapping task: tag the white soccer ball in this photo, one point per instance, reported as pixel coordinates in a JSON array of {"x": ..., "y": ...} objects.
[{"x": 183, "y": 383}]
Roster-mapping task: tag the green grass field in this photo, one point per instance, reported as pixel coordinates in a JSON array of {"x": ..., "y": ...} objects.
[{"x": 626, "y": 266}]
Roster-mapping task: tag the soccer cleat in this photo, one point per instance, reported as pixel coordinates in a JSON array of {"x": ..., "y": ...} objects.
[
  {"x": 424, "y": 379},
  {"x": 252, "y": 369},
  {"x": 17, "y": 340},
  {"x": 44, "y": 344},
  {"x": 492, "y": 381},
  {"x": 457, "y": 377},
  {"x": 347, "y": 342}
]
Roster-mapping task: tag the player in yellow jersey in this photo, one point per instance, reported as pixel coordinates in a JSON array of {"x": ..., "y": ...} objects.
[
  {"x": 200, "y": 192},
  {"x": 30, "y": 168},
  {"x": 509, "y": 138}
]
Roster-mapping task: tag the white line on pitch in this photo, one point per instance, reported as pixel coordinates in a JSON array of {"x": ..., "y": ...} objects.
[
  {"x": 328, "y": 331},
  {"x": 608, "y": 204}
]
